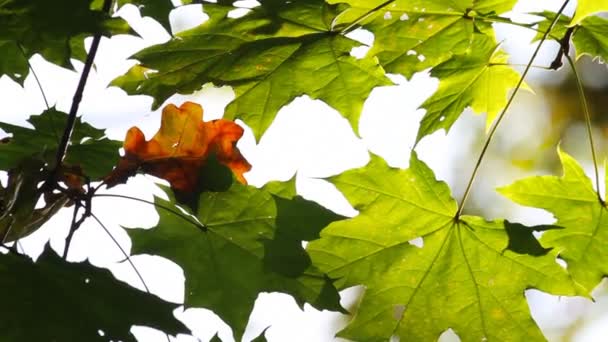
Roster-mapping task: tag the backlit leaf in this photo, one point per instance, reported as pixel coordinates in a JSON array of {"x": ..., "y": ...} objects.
[
  {"x": 466, "y": 276},
  {"x": 267, "y": 56},
  {"x": 47, "y": 28},
  {"x": 578, "y": 209},
  {"x": 480, "y": 79},
  {"x": 588, "y": 36},
  {"x": 248, "y": 241},
  {"x": 74, "y": 302},
  {"x": 411, "y": 36},
  {"x": 89, "y": 148},
  {"x": 180, "y": 148}
]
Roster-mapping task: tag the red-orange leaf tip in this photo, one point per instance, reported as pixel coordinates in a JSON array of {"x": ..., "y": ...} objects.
[{"x": 181, "y": 147}]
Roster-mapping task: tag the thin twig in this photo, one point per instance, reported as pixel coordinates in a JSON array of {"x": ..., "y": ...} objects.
[
  {"x": 72, "y": 115},
  {"x": 46, "y": 102},
  {"x": 504, "y": 112},
  {"x": 174, "y": 212},
  {"x": 581, "y": 91},
  {"x": 73, "y": 228},
  {"x": 507, "y": 21},
  {"x": 542, "y": 67},
  {"x": 127, "y": 257}
]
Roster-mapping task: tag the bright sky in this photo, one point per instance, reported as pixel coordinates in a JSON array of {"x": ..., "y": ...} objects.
[{"x": 308, "y": 138}]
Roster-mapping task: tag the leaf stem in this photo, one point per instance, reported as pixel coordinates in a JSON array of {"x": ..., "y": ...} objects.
[
  {"x": 73, "y": 227},
  {"x": 364, "y": 16},
  {"x": 494, "y": 128},
  {"x": 46, "y": 102},
  {"x": 507, "y": 21},
  {"x": 172, "y": 211},
  {"x": 581, "y": 91},
  {"x": 128, "y": 258},
  {"x": 524, "y": 65},
  {"x": 69, "y": 127}
]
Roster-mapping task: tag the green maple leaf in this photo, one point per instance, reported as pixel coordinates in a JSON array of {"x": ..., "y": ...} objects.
[
  {"x": 586, "y": 8},
  {"x": 579, "y": 210},
  {"x": 267, "y": 56},
  {"x": 411, "y": 36},
  {"x": 588, "y": 36},
  {"x": 470, "y": 274},
  {"x": 480, "y": 79},
  {"x": 89, "y": 148},
  {"x": 73, "y": 302},
  {"x": 47, "y": 28},
  {"x": 248, "y": 241}
]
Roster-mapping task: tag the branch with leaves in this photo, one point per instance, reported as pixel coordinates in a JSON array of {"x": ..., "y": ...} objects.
[{"x": 235, "y": 241}]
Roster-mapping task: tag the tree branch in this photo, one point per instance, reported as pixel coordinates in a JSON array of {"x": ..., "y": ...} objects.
[{"x": 72, "y": 115}]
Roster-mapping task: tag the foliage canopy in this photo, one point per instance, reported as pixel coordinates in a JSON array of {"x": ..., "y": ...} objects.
[{"x": 233, "y": 240}]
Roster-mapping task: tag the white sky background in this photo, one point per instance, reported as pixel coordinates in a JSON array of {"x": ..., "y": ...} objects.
[{"x": 308, "y": 138}]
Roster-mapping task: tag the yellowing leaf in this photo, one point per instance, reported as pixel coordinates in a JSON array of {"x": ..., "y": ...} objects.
[{"x": 181, "y": 147}]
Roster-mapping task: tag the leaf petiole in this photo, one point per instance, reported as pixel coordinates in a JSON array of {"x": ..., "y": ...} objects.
[
  {"x": 494, "y": 128},
  {"x": 199, "y": 225},
  {"x": 581, "y": 91}
]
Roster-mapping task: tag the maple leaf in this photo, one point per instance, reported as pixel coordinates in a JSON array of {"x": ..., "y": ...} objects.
[
  {"x": 586, "y": 8},
  {"x": 469, "y": 275},
  {"x": 411, "y": 36},
  {"x": 42, "y": 142},
  {"x": 28, "y": 27},
  {"x": 244, "y": 241},
  {"x": 579, "y": 210},
  {"x": 267, "y": 56},
  {"x": 180, "y": 148},
  {"x": 480, "y": 79},
  {"x": 51, "y": 292}
]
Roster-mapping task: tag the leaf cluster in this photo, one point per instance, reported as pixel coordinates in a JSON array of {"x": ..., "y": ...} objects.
[{"x": 235, "y": 241}]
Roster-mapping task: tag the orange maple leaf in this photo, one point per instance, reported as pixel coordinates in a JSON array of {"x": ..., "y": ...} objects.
[{"x": 180, "y": 148}]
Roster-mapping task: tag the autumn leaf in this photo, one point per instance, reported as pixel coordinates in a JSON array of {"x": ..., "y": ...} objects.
[
  {"x": 267, "y": 56},
  {"x": 466, "y": 273},
  {"x": 180, "y": 148}
]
